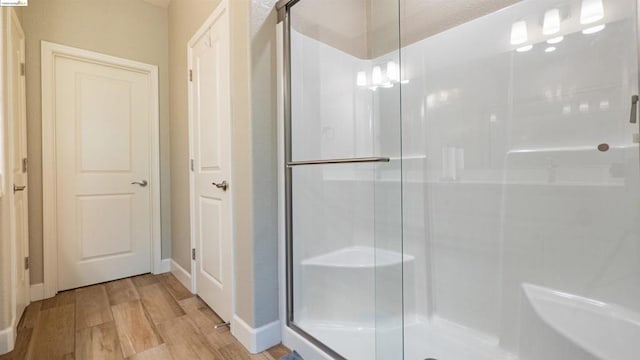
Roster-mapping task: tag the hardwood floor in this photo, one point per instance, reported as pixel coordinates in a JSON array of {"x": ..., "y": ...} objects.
[{"x": 149, "y": 317}]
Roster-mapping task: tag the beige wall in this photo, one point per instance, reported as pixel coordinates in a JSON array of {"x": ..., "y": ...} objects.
[
  {"x": 185, "y": 17},
  {"x": 264, "y": 161},
  {"x": 131, "y": 29}
]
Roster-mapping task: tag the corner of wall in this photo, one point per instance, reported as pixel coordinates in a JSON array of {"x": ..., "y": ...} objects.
[
  {"x": 256, "y": 340},
  {"x": 7, "y": 338}
]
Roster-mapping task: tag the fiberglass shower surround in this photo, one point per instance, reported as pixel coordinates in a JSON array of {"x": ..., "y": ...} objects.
[{"x": 472, "y": 194}]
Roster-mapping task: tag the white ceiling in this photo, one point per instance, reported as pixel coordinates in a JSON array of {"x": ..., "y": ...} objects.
[{"x": 161, "y": 3}]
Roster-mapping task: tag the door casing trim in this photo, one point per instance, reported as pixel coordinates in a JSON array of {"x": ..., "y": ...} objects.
[{"x": 50, "y": 51}]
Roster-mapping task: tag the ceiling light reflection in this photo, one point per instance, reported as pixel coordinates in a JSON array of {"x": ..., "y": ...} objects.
[
  {"x": 555, "y": 40},
  {"x": 392, "y": 71},
  {"x": 519, "y": 33},
  {"x": 524, "y": 48},
  {"x": 591, "y": 11},
  {"x": 376, "y": 76},
  {"x": 551, "y": 23},
  {"x": 594, "y": 29},
  {"x": 361, "y": 79}
]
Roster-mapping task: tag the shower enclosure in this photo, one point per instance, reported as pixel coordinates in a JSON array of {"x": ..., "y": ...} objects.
[{"x": 462, "y": 178}]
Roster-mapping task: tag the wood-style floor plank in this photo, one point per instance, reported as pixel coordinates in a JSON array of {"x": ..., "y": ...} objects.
[
  {"x": 237, "y": 351},
  {"x": 145, "y": 280},
  {"x": 175, "y": 288},
  {"x": 185, "y": 341},
  {"x": 62, "y": 298},
  {"x": 31, "y": 316},
  {"x": 135, "y": 331},
  {"x": 204, "y": 318},
  {"x": 98, "y": 342},
  {"x": 111, "y": 321},
  {"x": 121, "y": 291},
  {"x": 157, "y": 353},
  {"x": 160, "y": 305},
  {"x": 54, "y": 334},
  {"x": 278, "y": 351},
  {"x": 92, "y": 307}
]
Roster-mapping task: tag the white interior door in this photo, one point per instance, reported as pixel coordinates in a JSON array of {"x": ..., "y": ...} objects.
[
  {"x": 210, "y": 147},
  {"x": 18, "y": 127},
  {"x": 104, "y": 204}
]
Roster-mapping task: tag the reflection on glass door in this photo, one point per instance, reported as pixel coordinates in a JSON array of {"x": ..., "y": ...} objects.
[
  {"x": 520, "y": 181},
  {"x": 345, "y": 230}
]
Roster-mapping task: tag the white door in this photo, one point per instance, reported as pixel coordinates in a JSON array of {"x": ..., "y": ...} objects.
[
  {"x": 103, "y": 132},
  {"x": 210, "y": 148},
  {"x": 18, "y": 127}
]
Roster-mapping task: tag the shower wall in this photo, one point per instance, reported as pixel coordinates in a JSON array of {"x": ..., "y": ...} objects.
[
  {"x": 512, "y": 189},
  {"x": 333, "y": 120}
]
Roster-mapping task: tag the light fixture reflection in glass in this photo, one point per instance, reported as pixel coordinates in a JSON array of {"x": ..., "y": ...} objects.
[
  {"x": 551, "y": 24},
  {"x": 584, "y": 107},
  {"x": 392, "y": 71},
  {"x": 555, "y": 40},
  {"x": 519, "y": 33},
  {"x": 376, "y": 76},
  {"x": 591, "y": 11},
  {"x": 604, "y": 105},
  {"x": 550, "y": 49},
  {"x": 566, "y": 109},
  {"x": 594, "y": 29},
  {"x": 361, "y": 79},
  {"x": 524, "y": 48}
]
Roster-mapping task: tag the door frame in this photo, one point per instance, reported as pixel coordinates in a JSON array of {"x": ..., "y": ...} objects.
[
  {"x": 221, "y": 10},
  {"x": 50, "y": 51}
]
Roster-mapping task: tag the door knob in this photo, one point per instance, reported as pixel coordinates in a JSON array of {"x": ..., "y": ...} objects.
[
  {"x": 17, "y": 188},
  {"x": 223, "y": 185},
  {"x": 142, "y": 183}
]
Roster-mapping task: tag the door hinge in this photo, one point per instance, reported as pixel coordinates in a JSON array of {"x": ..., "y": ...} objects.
[
  {"x": 192, "y": 165},
  {"x": 26, "y": 263},
  {"x": 24, "y": 165},
  {"x": 22, "y": 69},
  {"x": 190, "y": 75},
  {"x": 193, "y": 254}
]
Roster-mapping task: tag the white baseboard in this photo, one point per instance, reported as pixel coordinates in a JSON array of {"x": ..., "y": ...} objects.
[
  {"x": 256, "y": 340},
  {"x": 165, "y": 266},
  {"x": 36, "y": 293},
  {"x": 181, "y": 274},
  {"x": 8, "y": 338}
]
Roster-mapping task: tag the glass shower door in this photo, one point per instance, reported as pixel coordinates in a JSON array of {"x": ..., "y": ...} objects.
[
  {"x": 521, "y": 189},
  {"x": 345, "y": 259}
]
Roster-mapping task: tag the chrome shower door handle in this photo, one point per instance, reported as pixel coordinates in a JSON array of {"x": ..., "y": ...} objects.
[
  {"x": 142, "y": 183},
  {"x": 223, "y": 185}
]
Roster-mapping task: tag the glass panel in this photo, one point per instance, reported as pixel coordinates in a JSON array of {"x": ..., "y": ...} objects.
[
  {"x": 520, "y": 192},
  {"x": 347, "y": 218}
]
